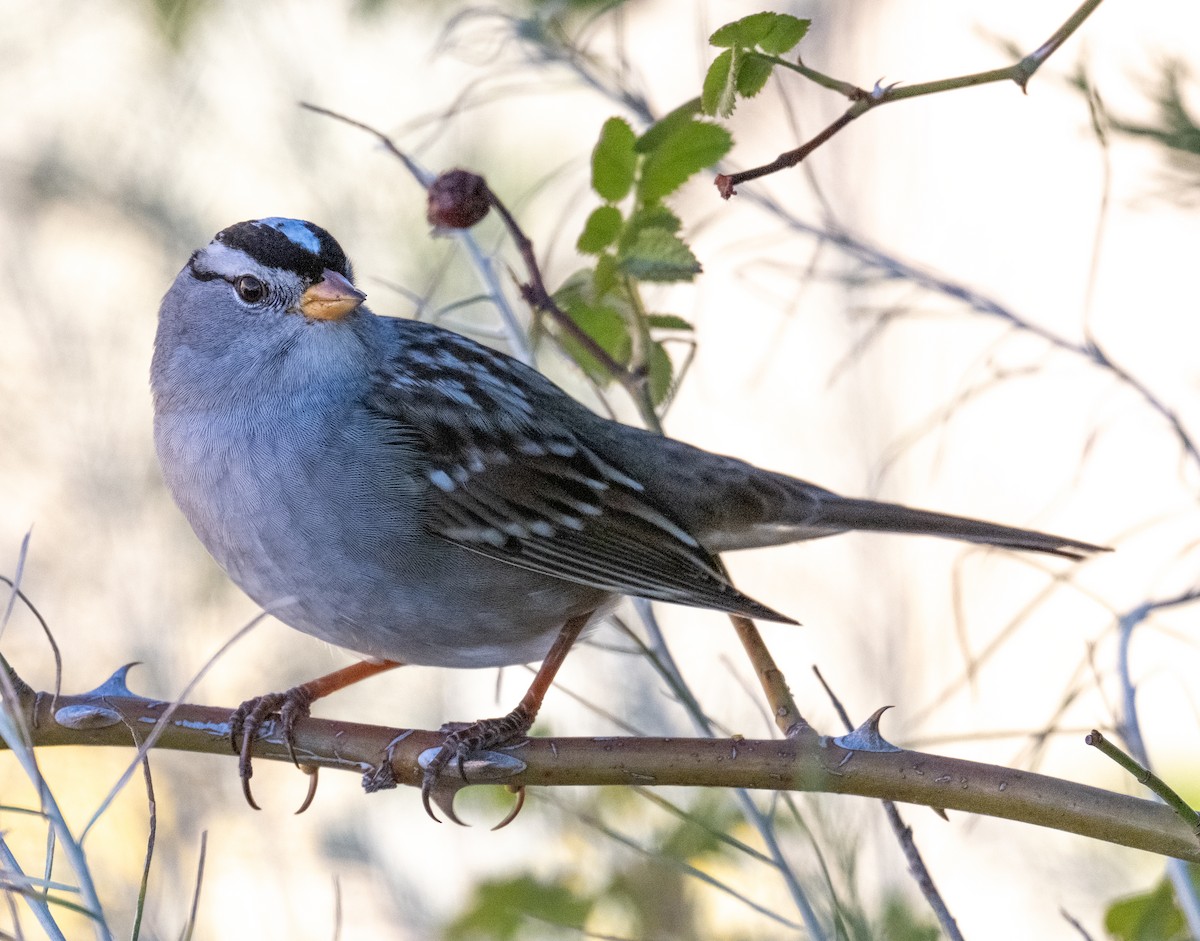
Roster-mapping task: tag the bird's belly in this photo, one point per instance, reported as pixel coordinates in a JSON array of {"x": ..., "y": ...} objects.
[{"x": 312, "y": 535}]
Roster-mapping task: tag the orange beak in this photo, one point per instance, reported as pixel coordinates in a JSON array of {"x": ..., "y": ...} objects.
[{"x": 331, "y": 298}]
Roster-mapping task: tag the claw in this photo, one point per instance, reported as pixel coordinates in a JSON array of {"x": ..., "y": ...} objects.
[
  {"x": 512, "y": 814},
  {"x": 443, "y": 795},
  {"x": 312, "y": 771},
  {"x": 246, "y": 768},
  {"x": 247, "y": 720},
  {"x": 474, "y": 767}
]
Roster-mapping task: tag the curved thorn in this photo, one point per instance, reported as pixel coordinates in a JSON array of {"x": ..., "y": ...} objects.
[
  {"x": 312, "y": 771},
  {"x": 115, "y": 685},
  {"x": 512, "y": 814}
]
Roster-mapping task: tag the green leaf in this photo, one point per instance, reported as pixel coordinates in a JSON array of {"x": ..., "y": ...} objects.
[
  {"x": 658, "y": 255},
  {"x": 614, "y": 160},
  {"x": 1152, "y": 916},
  {"x": 604, "y": 324},
  {"x": 601, "y": 230},
  {"x": 500, "y": 910},
  {"x": 774, "y": 33},
  {"x": 654, "y": 216},
  {"x": 667, "y": 322},
  {"x": 716, "y": 98},
  {"x": 747, "y": 32},
  {"x": 661, "y": 373},
  {"x": 688, "y": 150},
  {"x": 604, "y": 278},
  {"x": 667, "y": 125},
  {"x": 784, "y": 35},
  {"x": 752, "y": 75}
]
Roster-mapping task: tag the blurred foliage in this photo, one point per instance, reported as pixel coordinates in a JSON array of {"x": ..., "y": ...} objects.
[
  {"x": 1150, "y": 916},
  {"x": 502, "y": 909},
  {"x": 1175, "y": 128},
  {"x": 174, "y": 19}
]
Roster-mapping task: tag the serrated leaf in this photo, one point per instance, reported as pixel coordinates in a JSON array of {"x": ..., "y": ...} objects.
[
  {"x": 785, "y": 33},
  {"x": 665, "y": 126},
  {"x": 614, "y": 160},
  {"x": 604, "y": 325},
  {"x": 752, "y": 75},
  {"x": 661, "y": 372},
  {"x": 604, "y": 278},
  {"x": 658, "y": 255},
  {"x": 691, "y": 148},
  {"x": 715, "y": 97},
  {"x": 654, "y": 216},
  {"x": 747, "y": 32},
  {"x": 601, "y": 230},
  {"x": 667, "y": 322},
  {"x": 773, "y": 33}
]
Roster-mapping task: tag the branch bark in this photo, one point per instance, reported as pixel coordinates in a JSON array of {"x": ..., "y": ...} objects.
[{"x": 806, "y": 762}]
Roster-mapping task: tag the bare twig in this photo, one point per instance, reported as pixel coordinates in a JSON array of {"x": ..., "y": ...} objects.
[
  {"x": 904, "y": 835},
  {"x": 1147, "y": 778},
  {"x": 534, "y": 290},
  {"x": 783, "y": 706},
  {"x": 863, "y": 101}
]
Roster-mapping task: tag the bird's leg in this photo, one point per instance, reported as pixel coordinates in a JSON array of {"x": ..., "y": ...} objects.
[
  {"x": 290, "y": 706},
  {"x": 485, "y": 733}
]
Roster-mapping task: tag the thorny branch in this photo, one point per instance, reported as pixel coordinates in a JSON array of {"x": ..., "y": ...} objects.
[
  {"x": 805, "y": 762},
  {"x": 863, "y": 101}
]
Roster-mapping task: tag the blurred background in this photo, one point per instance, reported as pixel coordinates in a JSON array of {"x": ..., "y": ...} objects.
[{"x": 907, "y": 316}]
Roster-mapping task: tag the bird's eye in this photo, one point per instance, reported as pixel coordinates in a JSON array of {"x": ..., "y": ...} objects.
[{"x": 250, "y": 289}]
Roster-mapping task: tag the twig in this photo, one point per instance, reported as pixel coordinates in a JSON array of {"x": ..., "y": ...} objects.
[
  {"x": 190, "y": 927},
  {"x": 1181, "y": 879},
  {"x": 904, "y": 835},
  {"x": 534, "y": 290},
  {"x": 151, "y": 837},
  {"x": 764, "y": 823},
  {"x": 774, "y": 684},
  {"x": 863, "y": 101},
  {"x": 1146, "y": 778}
]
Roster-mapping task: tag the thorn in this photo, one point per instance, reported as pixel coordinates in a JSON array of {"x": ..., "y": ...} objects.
[
  {"x": 115, "y": 685},
  {"x": 879, "y": 90},
  {"x": 867, "y": 736}
]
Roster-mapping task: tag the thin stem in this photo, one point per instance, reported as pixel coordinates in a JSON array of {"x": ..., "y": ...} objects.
[
  {"x": 904, "y": 835},
  {"x": 779, "y": 697},
  {"x": 863, "y": 100},
  {"x": 1147, "y": 778}
]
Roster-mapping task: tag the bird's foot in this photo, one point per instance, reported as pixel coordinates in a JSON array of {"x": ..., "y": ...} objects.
[
  {"x": 464, "y": 739},
  {"x": 288, "y": 708}
]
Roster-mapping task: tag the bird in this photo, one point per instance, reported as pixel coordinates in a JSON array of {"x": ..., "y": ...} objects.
[{"x": 402, "y": 491}]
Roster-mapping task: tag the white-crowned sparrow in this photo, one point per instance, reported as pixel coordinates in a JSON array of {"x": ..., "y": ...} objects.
[{"x": 421, "y": 498}]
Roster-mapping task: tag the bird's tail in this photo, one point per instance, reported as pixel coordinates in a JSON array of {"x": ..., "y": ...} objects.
[{"x": 839, "y": 514}]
